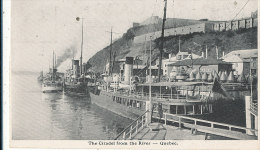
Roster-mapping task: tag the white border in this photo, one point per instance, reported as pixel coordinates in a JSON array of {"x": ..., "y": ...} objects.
[
  {"x": 6, "y": 69},
  {"x": 227, "y": 144}
]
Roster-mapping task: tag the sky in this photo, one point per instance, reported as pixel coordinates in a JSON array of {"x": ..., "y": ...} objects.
[{"x": 39, "y": 27}]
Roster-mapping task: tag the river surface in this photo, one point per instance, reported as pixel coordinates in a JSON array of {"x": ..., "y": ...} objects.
[{"x": 56, "y": 116}]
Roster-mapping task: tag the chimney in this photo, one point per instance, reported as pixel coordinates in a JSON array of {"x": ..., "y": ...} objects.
[{"x": 223, "y": 53}]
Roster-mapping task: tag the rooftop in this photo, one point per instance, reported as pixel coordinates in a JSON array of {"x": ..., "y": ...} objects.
[{"x": 243, "y": 54}]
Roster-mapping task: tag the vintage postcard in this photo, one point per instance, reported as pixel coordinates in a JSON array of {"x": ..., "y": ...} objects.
[{"x": 128, "y": 74}]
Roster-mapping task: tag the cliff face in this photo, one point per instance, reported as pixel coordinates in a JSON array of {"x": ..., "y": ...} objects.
[{"x": 226, "y": 41}]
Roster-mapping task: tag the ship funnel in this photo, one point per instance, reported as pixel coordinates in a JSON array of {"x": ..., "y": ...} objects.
[
  {"x": 128, "y": 69},
  {"x": 76, "y": 68}
]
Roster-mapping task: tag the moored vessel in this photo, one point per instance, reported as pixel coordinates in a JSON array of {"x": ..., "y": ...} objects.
[{"x": 52, "y": 82}]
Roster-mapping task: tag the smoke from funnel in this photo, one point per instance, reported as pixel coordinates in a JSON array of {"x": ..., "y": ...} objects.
[{"x": 67, "y": 53}]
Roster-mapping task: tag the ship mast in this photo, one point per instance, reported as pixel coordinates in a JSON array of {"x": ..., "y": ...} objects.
[
  {"x": 72, "y": 59},
  {"x": 81, "y": 47},
  {"x": 110, "y": 54},
  {"x": 113, "y": 63},
  {"x": 161, "y": 41},
  {"x": 150, "y": 82},
  {"x": 53, "y": 66}
]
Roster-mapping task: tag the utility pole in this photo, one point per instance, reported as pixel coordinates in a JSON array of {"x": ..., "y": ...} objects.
[{"x": 161, "y": 43}]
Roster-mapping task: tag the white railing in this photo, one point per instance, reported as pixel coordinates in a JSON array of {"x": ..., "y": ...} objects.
[
  {"x": 254, "y": 107},
  {"x": 202, "y": 123},
  {"x": 161, "y": 96},
  {"x": 133, "y": 128}
]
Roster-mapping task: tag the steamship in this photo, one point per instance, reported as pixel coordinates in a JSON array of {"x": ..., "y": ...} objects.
[
  {"x": 130, "y": 97},
  {"x": 52, "y": 82},
  {"x": 75, "y": 82}
]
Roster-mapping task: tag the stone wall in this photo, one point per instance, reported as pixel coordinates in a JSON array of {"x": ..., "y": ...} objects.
[
  {"x": 203, "y": 27},
  {"x": 236, "y": 24}
]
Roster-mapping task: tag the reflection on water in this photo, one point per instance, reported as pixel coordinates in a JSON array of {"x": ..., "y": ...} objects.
[{"x": 36, "y": 115}]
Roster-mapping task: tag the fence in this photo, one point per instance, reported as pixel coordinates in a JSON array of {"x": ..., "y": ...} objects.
[
  {"x": 133, "y": 128},
  {"x": 222, "y": 129},
  {"x": 161, "y": 96},
  {"x": 254, "y": 107}
]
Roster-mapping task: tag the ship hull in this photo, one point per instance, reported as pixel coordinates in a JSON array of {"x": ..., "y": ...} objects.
[
  {"x": 51, "y": 89},
  {"x": 105, "y": 100},
  {"x": 76, "y": 89},
  {"x": 132, "y": 106}
]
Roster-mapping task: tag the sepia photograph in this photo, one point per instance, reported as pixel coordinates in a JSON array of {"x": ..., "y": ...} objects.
[{"x": 149, "y": 73}]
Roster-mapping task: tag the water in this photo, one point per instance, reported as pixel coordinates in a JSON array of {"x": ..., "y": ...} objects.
[{"x": 55, "y": 116}]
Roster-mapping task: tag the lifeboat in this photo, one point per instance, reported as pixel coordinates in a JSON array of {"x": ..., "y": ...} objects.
[
  {"x": 204, "y": 77},
  {"x": 210, "y": 77},
  {"x": 198, "y": 76},
  {"x": 223, "y": 77},
  {"x": 231, "y": 77},
  {"x": 192, "y": 78}
]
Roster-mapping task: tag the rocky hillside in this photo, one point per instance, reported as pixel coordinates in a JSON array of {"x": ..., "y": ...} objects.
[{"x": 226, "y": 41}]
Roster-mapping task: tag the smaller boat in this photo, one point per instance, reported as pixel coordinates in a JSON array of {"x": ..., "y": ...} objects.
[
  {"x": 52, "y": 82},
  {"x": 49, "y": 87}
]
